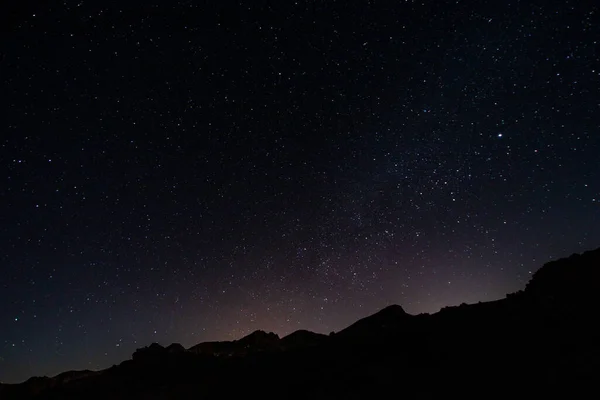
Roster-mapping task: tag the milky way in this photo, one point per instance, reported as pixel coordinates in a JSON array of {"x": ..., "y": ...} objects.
[{"x": 191, "y": 172}]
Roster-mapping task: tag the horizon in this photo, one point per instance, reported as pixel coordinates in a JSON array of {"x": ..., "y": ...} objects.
[
  {"x": 280, "y": 335},
  {"x": 187, "y": 347},
  {"x": 183, "y": 173}
]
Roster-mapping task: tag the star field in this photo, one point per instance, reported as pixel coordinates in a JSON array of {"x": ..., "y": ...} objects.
[{"x": 193, "y": 171}]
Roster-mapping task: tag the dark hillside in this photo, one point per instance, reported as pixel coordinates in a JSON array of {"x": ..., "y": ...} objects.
[{"x": 538, "y": 340}]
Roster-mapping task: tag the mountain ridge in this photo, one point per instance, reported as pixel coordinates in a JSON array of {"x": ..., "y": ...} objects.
[{"x": 548, "y": 323}]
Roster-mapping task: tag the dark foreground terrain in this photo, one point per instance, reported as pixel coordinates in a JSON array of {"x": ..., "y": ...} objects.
[{"x": 541, "y": 341}]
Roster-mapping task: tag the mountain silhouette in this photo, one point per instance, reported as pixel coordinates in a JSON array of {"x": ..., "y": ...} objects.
[
  {"x": 390, "y": 319},
  {"x": 254, "y": 342},
  {"x": 301, "y": 339},
  {"x": 537, "y": 341}
]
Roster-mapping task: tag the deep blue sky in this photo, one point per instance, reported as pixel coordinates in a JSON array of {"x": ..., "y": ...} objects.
[{"x": 191, "y": 172}]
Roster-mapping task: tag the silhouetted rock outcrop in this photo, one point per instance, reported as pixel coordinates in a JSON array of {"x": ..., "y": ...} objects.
[
  {"x": 388, "y": 320},
  {"x": 302, "y": 339},
  {"x": 255, "y": 342},
  {"x": 569, "y": 285},
  {"x": 258, "y": 341},
  {"x": 149, "y": 352},
  {"x": 175, "y": 348}
]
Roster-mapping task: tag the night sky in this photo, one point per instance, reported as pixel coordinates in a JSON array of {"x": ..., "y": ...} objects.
[{"x": 182, "y": 173}]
